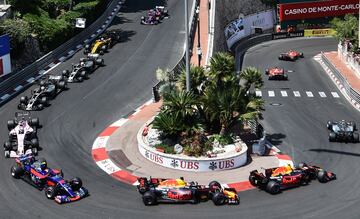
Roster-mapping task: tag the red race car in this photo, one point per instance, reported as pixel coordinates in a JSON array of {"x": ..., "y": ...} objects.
[
  {"x": 155, "y": 190},
  {"x": 280, "y": 178},
  {"x": 291, "y": 55},
  {"x": 276, "y": 74}
]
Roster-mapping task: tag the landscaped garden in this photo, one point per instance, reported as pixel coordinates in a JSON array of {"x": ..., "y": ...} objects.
[{"x": 211, "y": 114}]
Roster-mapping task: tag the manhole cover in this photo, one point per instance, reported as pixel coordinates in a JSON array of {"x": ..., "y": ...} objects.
[{"x": 275, "y": 104}]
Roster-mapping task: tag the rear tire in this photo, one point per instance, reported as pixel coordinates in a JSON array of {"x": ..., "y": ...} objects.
[
  {"x": 322, "y": 176},
  {"x": 149, "y": 198},
  {"x": 355, "y": 137},
  {"x": 11, "y": 124},
  {"x": 332, "y": 137},
  {"x": 24, "y": 99},
  {"x": 34, "y": 151},
  {"x": 329, "y": 125},
  {"x": 7, "y": 154},
  {"x": 273, "y": 187}
]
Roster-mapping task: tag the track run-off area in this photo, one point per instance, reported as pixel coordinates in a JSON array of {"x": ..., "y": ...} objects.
[{"x": 297, "y": 125}]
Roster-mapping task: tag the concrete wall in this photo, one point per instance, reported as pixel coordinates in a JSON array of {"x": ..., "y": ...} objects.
[{"x": 228, "y": 10}]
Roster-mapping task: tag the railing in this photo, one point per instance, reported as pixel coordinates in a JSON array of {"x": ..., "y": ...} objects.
[
  {"x": 353, "y": 94},
  {"x": 10, "y": 87},
  {"x": 180, "y": 65}
]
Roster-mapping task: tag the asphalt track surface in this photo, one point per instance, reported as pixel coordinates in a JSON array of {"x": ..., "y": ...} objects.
[{"x": 77, "y": 116}]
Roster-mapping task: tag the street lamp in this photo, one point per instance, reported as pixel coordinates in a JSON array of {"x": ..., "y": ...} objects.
[
  {"x": 187, "y": 59},
  {"x": 199, "y": 52}
]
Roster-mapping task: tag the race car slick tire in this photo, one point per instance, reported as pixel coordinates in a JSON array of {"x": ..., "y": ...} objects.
[
  {"x": 50, "y": 192},
  {"x": 35, "y": 143},
  {"x": 329, "y": 125},
  {"x": 75, "y": 183},
  {"x": 80, "y": 79},
  {"x": 35, "y": 122},
  {"x": 332, "y": 137},
  {"x": 34, "y": 151},
  {"x": 24, "y": 99},
  {"x": 7, "y": 146},
  {"x": 11, "y": 124},
  {"x": 149, "y": 198},
  {"x": 40, "y": 106},
  {"x": 252, "y": 180},
  {"x": 62, "y": 85},
  {"x": 301, "y": 55},
  {"x": 322, "y": 176},
  {"x": 7, "y": 154},
  {"x": 219, "y": 198},
  {"x": 16, "y": 172},
  {"x": 355, "y": 137},
  {"x": 214, "y": 183},
  {"x": 273, "y": 187}
]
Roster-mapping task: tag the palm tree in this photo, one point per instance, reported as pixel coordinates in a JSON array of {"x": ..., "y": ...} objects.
[
  {"x": 167, "y": 124},
  {"x": 180, "y": 104},
  {"x": 197, "y": 76},
  {"x": 252, "y": 76},
  {"x": 222, "y": 68}
]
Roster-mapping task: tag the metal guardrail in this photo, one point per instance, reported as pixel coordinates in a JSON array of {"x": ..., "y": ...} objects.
[
  {"x": 353, "y": 94},
  {"x": 180, "y": 65},
  {"x": 10, "y": 86}
]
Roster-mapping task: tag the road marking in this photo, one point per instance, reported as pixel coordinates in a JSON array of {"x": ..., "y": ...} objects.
[
  {"x": 258, "y": 93},
  {"x": 108, "y": 166},
  {"x": 290, "y": 71},
  {"x": 271, "y": 93},
  {"x": 322, "y": 94},
  {"x": 309, "y": 94},
  {"x": 335, "y": 94},
  {"x": 284, "y": 93},
  {"x": 297, "y": 94}
]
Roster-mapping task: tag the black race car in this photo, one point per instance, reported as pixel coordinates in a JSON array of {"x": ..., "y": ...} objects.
[
  {"x": 47, "y": 89},
  {"x": 160, "y": 11},
  {"x": 22, "y": 135},
  {"x": 279, "y": 178},
  {"x": 342, "y": 131},
  {"x": 81, "y": 70},
  {"x": 155, "y": 190}
]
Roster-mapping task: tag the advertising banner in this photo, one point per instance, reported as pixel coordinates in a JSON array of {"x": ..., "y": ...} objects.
[
  {"x": 319, "y": 32},
  {"x": 283, "y": 35},
  {"x": 5, "y": 63},
  {"x": 308, "y": 10},
  {"x": 248, "y": 25}
]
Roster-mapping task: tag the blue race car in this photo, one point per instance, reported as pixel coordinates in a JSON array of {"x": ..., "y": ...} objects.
[{"x": 36, "y": 173}]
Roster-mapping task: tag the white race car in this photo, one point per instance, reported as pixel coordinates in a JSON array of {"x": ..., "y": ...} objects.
[{"x": 22, "y": 136}]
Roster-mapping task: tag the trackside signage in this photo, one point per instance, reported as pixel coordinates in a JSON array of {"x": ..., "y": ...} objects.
[{"x": 331, "y": 8}]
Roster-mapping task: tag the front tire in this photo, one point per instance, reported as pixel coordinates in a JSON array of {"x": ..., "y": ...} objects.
[
  {"x": 322, "y": 176},
  {"x": 219, "y": 198},
  {"x": 252, "y": 180},
  {"x": 355, "y": 137},
  {"x": 149, "y": 198},
  {"x": 16, "y": 171},
  {"x": 50, "y": 192}
]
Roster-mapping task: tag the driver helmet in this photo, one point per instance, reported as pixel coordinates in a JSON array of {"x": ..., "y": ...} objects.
[{"x": 43, "y": 165}]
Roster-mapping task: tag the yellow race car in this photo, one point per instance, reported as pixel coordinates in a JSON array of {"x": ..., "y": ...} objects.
[{"x": 103, "y": 43}]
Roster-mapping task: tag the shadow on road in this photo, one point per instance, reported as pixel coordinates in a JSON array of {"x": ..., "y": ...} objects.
[
  {"x": 276, "y": 138},
  {"x": 141, "y": 5},
  {"x": 320, "y": 150}
]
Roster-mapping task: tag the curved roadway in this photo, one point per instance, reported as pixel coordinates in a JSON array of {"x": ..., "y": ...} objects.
[{"x": 80, "y": 114}]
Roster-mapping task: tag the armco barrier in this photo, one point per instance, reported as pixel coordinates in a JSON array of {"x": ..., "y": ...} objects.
[
  {"x": 24, "y": 78},
  {"x": 353, "y": 94},
  {"x": 180, "y": 65}
]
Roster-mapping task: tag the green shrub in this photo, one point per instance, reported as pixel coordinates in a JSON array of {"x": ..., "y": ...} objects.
[
  {"x": 168, "y": 149},
  {"x": 222, "y": 139}
]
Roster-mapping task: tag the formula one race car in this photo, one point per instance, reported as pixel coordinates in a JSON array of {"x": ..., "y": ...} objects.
[
  {"x": 48, "y": 87},
  {"x": 279, "y": 178},
  {"x": 107, "y": 40},
  {"x": 36, "y": 173},
  {"x": 291, "y": 55},
  {"x": 155, "y": 190},
  {"x": 150, "y": 20},
  {"x": 342, "y": 131},
  {"x": 81, "y": 70},
  {"x": 22, "y": 136},
  {"x": 276, "y": 74},
  {"x": 160, "y": 11}
]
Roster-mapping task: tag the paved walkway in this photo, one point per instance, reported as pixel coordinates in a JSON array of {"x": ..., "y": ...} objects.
[
  {"x": 204, "y": 25},
  {"x": 344, "y": 69}
]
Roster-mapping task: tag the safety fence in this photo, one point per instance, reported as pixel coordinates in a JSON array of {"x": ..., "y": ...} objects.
[
  {"x": 353, "y": 94},
  {"x": 24, "y": 78}
]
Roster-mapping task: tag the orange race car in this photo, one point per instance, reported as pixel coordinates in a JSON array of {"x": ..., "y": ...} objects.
[
  {"x": 276, "y": 73},
  {"x": 291, "y": 55}
]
